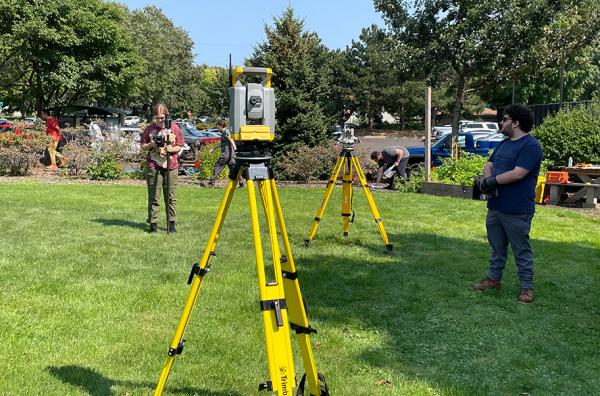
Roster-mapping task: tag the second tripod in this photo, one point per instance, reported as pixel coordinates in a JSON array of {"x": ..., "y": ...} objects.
[{"x": 348, "y": 163}]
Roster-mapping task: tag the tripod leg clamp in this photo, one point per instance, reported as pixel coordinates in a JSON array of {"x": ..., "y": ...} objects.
[
  {"x": 275, "y": 305},
  {"x": 289, "y": 275},
  {"x": 265, "y": 386},
  {"x": 302, "y": 329},
  {"x": 176, "y": 351},
  {"x": 196, "y": 270}
]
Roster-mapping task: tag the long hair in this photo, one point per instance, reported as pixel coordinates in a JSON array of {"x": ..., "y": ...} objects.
[{"x": 160, "y": 108}]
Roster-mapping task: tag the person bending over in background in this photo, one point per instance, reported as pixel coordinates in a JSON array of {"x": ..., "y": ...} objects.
[{"x": 392, "y": 159}]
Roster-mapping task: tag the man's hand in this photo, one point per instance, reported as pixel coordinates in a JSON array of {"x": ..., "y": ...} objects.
[{"x": 487, "y": 184}]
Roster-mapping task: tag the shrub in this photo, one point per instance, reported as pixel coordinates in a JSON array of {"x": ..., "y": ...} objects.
[
  {"x": 368, "y": 166},
  {"x": 309, "y": 163},
  {"x": 207, "y": 157},
  {"x": 138, "y": 158},
  {"x": 573, "y": 133},
  {"x": 461, "y": 171},
  {"x": 104, "y": 167},
  {"x": 104, "y": 164},
  {"x": 79, "y": 154},
  {"x": 20, "y": 151},
  {"x": 414, "y": 183}
]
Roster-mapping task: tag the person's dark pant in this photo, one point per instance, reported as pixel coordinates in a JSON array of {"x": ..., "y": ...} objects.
[
  {"x": 155, "y": 179},
  {"x": 400, "y": 171},
  {"x": 502, "y": 229},
  {"x": 226, "y": 158}
]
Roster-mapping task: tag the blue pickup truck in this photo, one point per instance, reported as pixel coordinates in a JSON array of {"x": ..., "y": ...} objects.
[{"x": 468, "y": 142}]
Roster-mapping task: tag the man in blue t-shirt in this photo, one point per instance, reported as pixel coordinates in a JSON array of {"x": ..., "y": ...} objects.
[{"x": 510, "y": 177}]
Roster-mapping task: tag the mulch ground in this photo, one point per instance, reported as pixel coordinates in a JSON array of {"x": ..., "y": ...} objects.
[{"x": 58, "y": 177}]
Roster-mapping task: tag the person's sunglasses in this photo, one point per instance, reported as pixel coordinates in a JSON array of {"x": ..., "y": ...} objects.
[{"x": 506, "y": 118}]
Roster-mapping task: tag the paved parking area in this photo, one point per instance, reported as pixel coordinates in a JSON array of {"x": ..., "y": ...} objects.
[{"x": 373, "y": 142}]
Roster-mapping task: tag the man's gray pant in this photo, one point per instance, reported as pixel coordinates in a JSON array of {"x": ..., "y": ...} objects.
[{"x": 502, "y": 229}]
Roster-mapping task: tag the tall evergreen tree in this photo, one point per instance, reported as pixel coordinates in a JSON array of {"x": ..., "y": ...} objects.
[{"x": 301, "y": 80}]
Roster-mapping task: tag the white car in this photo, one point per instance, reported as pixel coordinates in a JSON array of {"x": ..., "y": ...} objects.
[
  {"x": 478, "y": 125},
  {"x": 131, "y": 120}
]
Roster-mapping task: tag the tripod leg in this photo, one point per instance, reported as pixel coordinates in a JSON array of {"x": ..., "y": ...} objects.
[
  {"x": 198, "y": 272},
  {"x": 272, "y": 302},
  {"x": 293, "y": 296},
  {"x": 346, "y": 195},
  {"x": 328, "y": 190},
  {"x": 371, "y": 201}
]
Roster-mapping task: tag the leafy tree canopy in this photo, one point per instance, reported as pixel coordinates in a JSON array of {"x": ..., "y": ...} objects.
[
  {"x": 480, "y": 43},
  {"x": 61, "y": 52},
  {"x": 167, "y": 59}
]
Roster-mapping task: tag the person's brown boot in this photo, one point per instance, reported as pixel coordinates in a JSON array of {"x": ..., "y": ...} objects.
[
  {"x": 526, "y": 296},
  {"x": 487, "y": 283}
]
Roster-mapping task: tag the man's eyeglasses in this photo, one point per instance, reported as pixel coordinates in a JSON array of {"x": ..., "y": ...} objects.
[{"x": 506, "y": 118}]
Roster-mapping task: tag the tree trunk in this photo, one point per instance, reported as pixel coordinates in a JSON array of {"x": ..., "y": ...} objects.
[
  {"x": 402, "y": 118},
  {"x": 562, "y": 84},
  {"x": 460, "y": 88}
]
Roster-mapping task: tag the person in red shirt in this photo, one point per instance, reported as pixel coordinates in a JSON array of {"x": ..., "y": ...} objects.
[
  {"x": 171, "y": 142},
  {"x": 52, "y": 130}
]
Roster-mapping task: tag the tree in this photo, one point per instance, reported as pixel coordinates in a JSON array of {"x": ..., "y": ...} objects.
[
  {"x": 61, "y": 52},
  {"x": 167, "y": 59},
  {"x": 213, "y": 83},
  {"x": 372, "y": 67},
  {"x": 478, "y": 42},
  {"x": 300, "y": 64},
  {"x": 581, "y": 81}
]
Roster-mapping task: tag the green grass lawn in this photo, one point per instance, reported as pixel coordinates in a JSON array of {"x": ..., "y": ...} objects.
[{"x": 89, "y": 301}]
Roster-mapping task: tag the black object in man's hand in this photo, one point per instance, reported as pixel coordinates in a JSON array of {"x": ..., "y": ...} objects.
[{"x": 487, "y": 186}]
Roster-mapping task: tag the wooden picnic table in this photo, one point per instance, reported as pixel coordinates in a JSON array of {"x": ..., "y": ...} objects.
[{"x": 587, "y": 186}]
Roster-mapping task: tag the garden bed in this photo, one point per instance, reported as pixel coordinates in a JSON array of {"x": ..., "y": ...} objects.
[{"x": 447, "y": 190}]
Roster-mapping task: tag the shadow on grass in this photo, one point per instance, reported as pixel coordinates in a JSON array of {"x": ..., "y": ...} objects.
[
  {"x": 121, "y": 223},
  {"x": 432, "y": 326},
  {"x": 97, "y": 384}
]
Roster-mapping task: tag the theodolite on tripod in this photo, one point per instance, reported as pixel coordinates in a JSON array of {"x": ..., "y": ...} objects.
[
  {"x": 252, "y": 116},
  {"x": 348, "y": 161}
]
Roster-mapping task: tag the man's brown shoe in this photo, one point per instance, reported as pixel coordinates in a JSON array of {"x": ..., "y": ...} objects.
[
  {"x": 526, "y": 296},
  {"x": 487, "y": 283}
]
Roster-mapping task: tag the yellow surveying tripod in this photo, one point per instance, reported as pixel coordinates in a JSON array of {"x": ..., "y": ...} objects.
[
  {"x": 348, "y": 163},
  {"x": 281, "y": 302}
]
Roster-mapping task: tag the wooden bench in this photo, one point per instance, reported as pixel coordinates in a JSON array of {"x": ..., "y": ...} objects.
[{"x": 591, "y": 192}]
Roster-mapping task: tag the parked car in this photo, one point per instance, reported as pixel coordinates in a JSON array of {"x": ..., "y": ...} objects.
[
  {"x": 439, "y": 131},
  {"x": 441, "y": 148},
  {"x": 204, "y": 119},
  {"x": 131, "y": 120},
  {"x": 30, "y": 120},
  {"x": 195, "y": 139},
  {"x": 471, "y": 126},
  {"x": 5, "y": 125},
  {"x": 490, "y": 141}
]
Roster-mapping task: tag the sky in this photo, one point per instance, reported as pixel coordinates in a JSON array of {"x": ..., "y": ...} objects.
[{"x": 221, "y": 27}]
